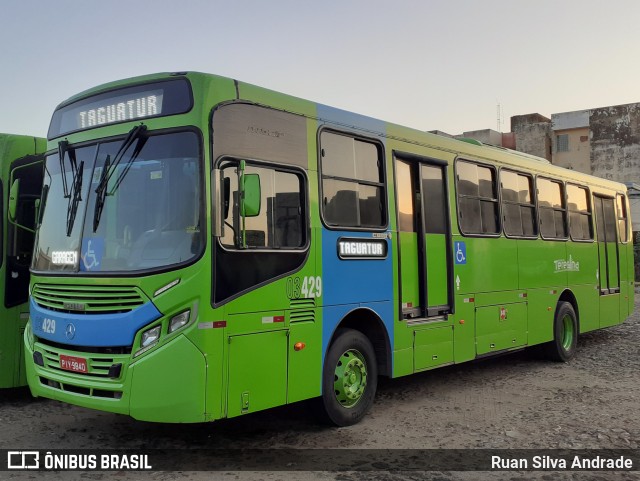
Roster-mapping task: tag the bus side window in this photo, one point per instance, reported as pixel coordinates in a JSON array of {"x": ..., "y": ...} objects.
[
  {"x": 279, "y": 223},
  {"x": 518, "y": 204},
  {"x": 623, "y": 222},
  {"x": 580, "y": 213},
  {"x": 477, "y": 199},
  {"x": 275, "y": 237},
  {"x": 352, "y": 182},
  {"x": 552, "y": 209}
]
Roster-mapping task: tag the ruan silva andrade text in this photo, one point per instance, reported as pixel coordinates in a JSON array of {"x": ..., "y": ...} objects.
[{"x": 549, "y": 462}]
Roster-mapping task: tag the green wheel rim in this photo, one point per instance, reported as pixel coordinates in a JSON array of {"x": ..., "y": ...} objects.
[
  {"x": 350, "y": 378},
  {"x": 567, "y": 332}
]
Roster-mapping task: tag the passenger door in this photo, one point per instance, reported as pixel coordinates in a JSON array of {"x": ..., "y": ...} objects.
[
  {"x": 608, "y": 260},
  {"x": 424, "y": 237}
]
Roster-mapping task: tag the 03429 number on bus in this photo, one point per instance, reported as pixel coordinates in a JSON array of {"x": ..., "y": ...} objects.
[{"x": 307, "y": 287}]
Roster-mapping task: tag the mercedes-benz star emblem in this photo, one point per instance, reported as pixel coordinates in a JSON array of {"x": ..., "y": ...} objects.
[{"x": 70, "y": 331}]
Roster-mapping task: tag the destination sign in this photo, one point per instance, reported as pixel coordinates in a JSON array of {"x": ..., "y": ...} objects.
[
  {"x": 123, "y": 105},
  {"x": 362, "y": 248},
  {"x": 120, "y": 110}
]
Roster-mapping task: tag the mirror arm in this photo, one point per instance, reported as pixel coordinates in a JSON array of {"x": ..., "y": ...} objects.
[{"x": 217, "y": 203}]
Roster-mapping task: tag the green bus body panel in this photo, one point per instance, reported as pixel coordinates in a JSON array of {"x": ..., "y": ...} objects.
[
  {"x": 492, "y": 265},
  {"x": 501, "y": 327},
  {"x": 403, "y": 361},
  {"x": 303, "y": 365},
  {"x": 626, "y": 279},
  {"x": 537, "y": 263},
  {"x": 541, "y": 305},
  {"x": 213, "y": 343},
  {"x": 464, "y": 330},
  {"x": 433, "y": 347},
  {"x": 257, "y": 372},
  {"x": 437, "y": 285},
  {"x": 588, "y": 300},
  {"x": 12, "y": 327},
  {"x": 585, "y": 255},
  {"x": 609, "y": 310},
  {"x": 13, "y": 319},
  {"x": 409, "y": 268},
  {"x": 168, "y": 385}
]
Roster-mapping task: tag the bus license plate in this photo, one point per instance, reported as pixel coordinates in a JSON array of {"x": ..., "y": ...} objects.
[{"x": 71, "y": 363}]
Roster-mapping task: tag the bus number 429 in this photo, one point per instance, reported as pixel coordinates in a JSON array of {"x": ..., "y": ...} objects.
[{"x": 49, "y": 325}]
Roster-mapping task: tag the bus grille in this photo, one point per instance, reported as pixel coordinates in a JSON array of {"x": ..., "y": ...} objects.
[
  {"x": 86, "y": 391},
  {"x": 82, "y": 298},
  {"x": 98, "y": 366}
]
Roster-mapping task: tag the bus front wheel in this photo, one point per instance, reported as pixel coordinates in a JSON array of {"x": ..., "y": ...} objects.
[
  {"x": 350, "y": 378},
  {"x": 565, "y": 334}
]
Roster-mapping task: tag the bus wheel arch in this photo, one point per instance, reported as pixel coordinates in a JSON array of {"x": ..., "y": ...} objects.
[
  {"x": 357, "y": 348},
  {"x": 370, "y": 324},
  {"x": 568, "y": 296},
  {"x": 565, "y": 330}
]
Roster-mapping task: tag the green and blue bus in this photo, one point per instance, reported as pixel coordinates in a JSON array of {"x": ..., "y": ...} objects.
[
  {"x": 208, "y": 248},
  {"x": 21, "y": 163}
]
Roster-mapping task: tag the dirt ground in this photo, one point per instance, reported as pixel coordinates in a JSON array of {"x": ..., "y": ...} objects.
[{"x": 512, "y": 402}]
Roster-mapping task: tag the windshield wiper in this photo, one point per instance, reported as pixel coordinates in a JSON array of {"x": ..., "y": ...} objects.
[
  {"x": 63, "y": 147},
  {"x": 75, "y": 196},
  {"x": 101, "y": 193},
  {"x": 108, "y": 170},
  {"x": 74, "y": 199}
]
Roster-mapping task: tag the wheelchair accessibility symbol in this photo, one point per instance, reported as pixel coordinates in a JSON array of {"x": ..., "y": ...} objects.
[
  {"x": 460, "y": 252},
  {"x": 91, "y": 256}
]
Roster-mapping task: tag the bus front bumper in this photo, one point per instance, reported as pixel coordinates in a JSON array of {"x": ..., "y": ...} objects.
[{"x": 165, "y": 385}]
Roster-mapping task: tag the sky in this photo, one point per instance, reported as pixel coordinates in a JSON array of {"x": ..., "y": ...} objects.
[{"x": 446, "y": 65}]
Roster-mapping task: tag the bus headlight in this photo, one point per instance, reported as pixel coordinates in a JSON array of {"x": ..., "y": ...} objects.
[
  {"x": 150, "y": 336},
  {"x": 179, "y": 321}
]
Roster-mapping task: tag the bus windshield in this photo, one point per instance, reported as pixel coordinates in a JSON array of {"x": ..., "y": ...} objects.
[{"x": 141, "y": 212}]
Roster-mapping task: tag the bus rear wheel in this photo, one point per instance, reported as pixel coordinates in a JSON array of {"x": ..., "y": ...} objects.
[
  {"x": 350, "y": 378},
  {"x": 565, "y": 334}
]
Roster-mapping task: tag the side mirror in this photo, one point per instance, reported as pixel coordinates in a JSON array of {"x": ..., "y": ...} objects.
[
  {"x": 13, "y": 200},
  {"x": 251, "y": 195}
]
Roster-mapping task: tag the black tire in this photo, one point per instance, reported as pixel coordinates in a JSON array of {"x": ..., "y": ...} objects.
[
  {"x": 565, "y": 334},
  {"x": 351, "y": 354}
]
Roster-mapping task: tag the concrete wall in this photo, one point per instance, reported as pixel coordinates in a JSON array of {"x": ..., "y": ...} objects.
[
  {"x": 517, "y": 121},
  {"x": 533, "y": 138},
  {"x": 570, "y": 120},
  {"x": 615, "y": 142}
]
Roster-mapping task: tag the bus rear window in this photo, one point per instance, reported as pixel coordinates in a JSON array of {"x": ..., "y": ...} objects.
[{"x": 148, "y": 100}]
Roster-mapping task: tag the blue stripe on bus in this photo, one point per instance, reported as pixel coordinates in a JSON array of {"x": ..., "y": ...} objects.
[
  {"x": 349, "y": 284},
  {"x": 91, "y": 330}
]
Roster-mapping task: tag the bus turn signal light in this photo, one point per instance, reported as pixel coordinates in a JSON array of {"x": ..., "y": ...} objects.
[{"x": 299, "y": 346}]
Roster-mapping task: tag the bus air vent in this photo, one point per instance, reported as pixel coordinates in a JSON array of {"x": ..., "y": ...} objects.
[{"x": 302, "y": 310}]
